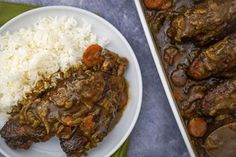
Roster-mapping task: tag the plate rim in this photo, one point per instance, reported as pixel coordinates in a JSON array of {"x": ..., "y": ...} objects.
[{"x": 115, "y": 30}]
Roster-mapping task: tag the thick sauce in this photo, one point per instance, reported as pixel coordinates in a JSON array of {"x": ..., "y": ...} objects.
[{"x": 188, "y": 93}]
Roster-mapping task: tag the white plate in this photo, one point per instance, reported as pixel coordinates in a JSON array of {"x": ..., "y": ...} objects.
[{"x": 118, "y": 44}]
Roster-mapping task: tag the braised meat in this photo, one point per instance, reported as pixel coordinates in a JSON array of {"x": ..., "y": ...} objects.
[
  {"x": 216, "y": 59},
  {"x": 80, "y": 110},
  {"x": 196, "y": 42},
  {"x": 205, "y": 22},
  {"x": 222, "y": 142},
  {"x": 75, "y": 145},
  {"x": 22, "y": 136},
  {"x": 221, "y": 100}
]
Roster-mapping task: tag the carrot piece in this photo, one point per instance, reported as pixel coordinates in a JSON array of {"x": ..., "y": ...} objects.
[
  {"x": 197, "y": 127},
  {"x": 88, "y": 121},
  {"x": 154, "y": 4},
  {"x": 92, "y": 55}
]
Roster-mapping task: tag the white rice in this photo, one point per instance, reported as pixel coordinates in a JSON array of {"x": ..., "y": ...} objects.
[{"x": 27, "y": 55}]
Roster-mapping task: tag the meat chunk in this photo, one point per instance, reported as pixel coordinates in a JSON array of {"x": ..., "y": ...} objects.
[
  {"x": 216, "y": 59},
  {"x": 221, "y": 100},
  {"x": 81, "y": 141},
  {"x": 80, "y": 110},
  {"x": 221, "y": 142},
  {"x": 205, "y": 22},
  {"x": 179, "y": 78},
  {"x": 75, "y": 146},
  {"x": 22, "y": 136}
]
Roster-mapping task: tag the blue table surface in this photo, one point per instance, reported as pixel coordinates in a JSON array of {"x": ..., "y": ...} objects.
[{"x": 156, "y": 133}]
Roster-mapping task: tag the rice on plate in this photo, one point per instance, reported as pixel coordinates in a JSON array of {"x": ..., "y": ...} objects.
[{"x": 52, "y": 44}]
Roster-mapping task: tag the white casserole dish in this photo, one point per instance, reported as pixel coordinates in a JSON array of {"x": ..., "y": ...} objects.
[{"x": 164, "y": 80}]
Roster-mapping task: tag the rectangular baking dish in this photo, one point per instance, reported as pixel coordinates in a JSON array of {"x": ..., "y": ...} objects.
[{"x": 164, "y": 79}]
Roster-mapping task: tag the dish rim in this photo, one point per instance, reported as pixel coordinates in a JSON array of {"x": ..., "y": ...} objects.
[
  {"x": 115, "y": 30},
  {"x": 165, "y": 83}
]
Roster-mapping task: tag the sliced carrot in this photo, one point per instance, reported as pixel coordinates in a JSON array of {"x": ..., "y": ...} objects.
[
  {"x": 154, "y": 4},
  {"x": 197, "y": 127},
  {"x": 92, "y": 55},
  {"x": 88, "y": 121}
]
